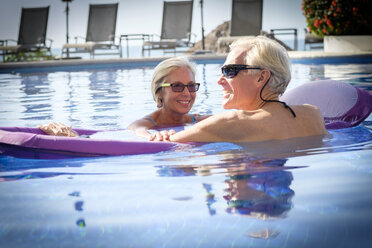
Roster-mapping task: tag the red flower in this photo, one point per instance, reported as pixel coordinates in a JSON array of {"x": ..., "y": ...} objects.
[
  {"x": 316, "y": 23},
  {"x": 337, "y": 17},
  {"x": 329, "y": 23},
  {"x": 355, "y": 10}
]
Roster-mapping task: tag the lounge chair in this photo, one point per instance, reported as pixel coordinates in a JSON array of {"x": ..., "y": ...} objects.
[
  {"x": 176, "y": 28},
  {"x": 313, "y": 41},
  {"x": 246, "y": 20},
  {"x": 100, "y": 38},
  {"x": 284, "y": 32},
  {"x": 31, "y": 35}
]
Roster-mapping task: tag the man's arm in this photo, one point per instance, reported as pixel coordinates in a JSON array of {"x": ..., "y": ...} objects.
[{"x": 216, "y": 128}]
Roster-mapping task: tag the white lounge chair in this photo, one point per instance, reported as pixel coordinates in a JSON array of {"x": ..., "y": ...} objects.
[
  {"x": 100, "y": 38},
  {"x": 176, "y": 28},
  {"x": 31, "y": 35},
  {"x": 246, "y": 20}
]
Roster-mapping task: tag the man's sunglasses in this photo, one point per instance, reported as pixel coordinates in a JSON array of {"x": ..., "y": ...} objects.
[
  {"x": 179, "y": 87},
  {"x": 231, "y": 71}
]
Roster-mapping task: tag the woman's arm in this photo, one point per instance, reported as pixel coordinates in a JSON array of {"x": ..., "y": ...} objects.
[
  {"x": 140, "y": 127},
  {"x": 165, "y": 135}
]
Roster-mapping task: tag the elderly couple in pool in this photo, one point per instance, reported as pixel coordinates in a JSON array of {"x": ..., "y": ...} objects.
[{"x": 255, "y": 73}]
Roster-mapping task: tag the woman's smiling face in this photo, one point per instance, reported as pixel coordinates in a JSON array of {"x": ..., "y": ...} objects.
[{"x": 178, "y": 102}]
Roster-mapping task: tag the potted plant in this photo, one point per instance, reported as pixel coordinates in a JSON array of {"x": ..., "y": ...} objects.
[{"x": 336, "y": 18}]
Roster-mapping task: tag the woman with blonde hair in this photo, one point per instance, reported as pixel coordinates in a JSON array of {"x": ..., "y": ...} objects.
[{"x": 174, "y": 90}]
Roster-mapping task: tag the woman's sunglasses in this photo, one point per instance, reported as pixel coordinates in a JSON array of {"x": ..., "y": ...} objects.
[
  {"x": 231, "y": 71},
  {"x": 179, "y": 87}
]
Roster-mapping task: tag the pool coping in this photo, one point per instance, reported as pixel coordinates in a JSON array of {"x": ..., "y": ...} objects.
[{"x": 64, "y": 64}]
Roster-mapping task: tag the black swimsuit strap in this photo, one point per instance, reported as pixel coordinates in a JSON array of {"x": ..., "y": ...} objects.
[
  {"x": 284, "y": 105},
  {"x": 281, "y": 102}
]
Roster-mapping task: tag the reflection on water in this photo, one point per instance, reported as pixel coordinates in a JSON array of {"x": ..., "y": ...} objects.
[
  {"x": 262, "y": 195},
  {"x": 200, "y": 194},
  {"x": 258, "y": 188}
]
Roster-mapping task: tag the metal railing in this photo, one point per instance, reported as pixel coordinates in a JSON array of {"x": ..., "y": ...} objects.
[{"x": 286, "y": 31}]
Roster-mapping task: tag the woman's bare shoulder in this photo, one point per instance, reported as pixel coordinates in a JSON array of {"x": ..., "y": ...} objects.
[{"x": 143, "y": 122}]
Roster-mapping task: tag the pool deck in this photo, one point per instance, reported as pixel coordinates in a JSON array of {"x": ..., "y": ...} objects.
[{"x": 152, "y": 61}]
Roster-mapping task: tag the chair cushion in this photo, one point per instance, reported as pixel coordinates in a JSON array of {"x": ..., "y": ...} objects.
[
  {"x": 15, "y": 47},
  {"x": 87, "y": 46}
]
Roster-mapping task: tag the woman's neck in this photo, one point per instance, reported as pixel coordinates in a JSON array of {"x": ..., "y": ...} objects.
[{"x": 166, "y": 117}]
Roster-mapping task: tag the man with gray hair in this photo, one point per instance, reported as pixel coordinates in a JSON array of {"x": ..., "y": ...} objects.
[{"x": 255, "y": 73}]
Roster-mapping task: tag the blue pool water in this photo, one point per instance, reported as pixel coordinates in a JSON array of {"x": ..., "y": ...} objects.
[{"x": 297, "y": 193}]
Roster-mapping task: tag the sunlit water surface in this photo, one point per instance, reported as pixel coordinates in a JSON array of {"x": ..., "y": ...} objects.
[{"x": 296, "y": 193}]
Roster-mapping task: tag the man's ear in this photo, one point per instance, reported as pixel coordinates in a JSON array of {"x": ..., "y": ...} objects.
[{"x": 264, "y": 76}]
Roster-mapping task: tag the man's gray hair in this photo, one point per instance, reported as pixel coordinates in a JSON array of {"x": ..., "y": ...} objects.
[{"x": 267, "y": 54}]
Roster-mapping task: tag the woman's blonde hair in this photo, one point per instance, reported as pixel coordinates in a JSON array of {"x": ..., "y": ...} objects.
[
  {"x": 162, "y": 70},
  {"x": 267, "y": 54}
]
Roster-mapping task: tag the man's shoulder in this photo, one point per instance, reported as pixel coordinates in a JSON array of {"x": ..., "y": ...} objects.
[
  {"x": 307, "y": 107},
  {"x": 235, "y": 115},
  {"x": 308, "y": 110}
]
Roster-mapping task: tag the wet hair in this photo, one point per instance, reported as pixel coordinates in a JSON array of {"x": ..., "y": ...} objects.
[
  {"x": 267, "y": 53},
  {"x": 162, "y": 70}
]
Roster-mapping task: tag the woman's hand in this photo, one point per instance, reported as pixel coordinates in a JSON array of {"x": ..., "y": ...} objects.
[
  {"x": 58, "y": 129},
  {"x": 162, "y": 135}
]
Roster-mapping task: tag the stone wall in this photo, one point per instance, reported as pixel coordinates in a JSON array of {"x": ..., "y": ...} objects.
[{"x": 210, "y": 40}]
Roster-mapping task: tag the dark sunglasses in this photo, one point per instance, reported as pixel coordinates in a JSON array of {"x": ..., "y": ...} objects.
[
  {"x": 179, "y": 87},
  {"x": 231, "y": 71}
]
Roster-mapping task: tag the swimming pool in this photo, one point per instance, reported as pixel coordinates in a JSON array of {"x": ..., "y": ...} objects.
[{"x": 298, "y": 193}]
